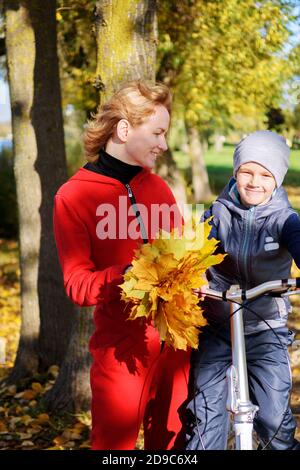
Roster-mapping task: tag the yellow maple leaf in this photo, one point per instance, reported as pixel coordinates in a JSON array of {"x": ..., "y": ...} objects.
[
  {"x": 42, "y": 418},
  {"x": 85, "y": 445},
  {"x": 161, "y": 282},
  {"x": 37, "y": 387},
  {"x": 58, "y": 447},
  {"x": 29, "y": 394},
  {"x": 3, "y": 428},
  {"x": 59, "y": 440},
  {"x": 54, "y": 370},
  {"x": 26, "y": 419}
]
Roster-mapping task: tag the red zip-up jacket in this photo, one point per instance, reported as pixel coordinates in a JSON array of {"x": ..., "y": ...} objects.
[
  {"x": 132, "y": 380},
  {"x": 93, "y": 267}
]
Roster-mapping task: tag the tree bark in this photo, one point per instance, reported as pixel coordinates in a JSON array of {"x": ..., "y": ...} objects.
[
  {"x": 122, "y": 54},
  {"x": 126, "y": 50},
  {"x": 126, "y": 35},
  {"x": 200, "y": 182},
  {"x": 40, "y": 168},
  {"x": 132, "y": 36},
  {"x": 71, "y": 392}
]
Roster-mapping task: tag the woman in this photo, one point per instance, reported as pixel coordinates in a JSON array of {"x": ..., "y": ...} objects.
[{"x": 101, "y": 216}]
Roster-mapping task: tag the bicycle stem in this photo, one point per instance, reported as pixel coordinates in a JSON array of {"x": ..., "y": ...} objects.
[
  {"x": 238, "y": 401},
  {"x": 238, "y": 350}
]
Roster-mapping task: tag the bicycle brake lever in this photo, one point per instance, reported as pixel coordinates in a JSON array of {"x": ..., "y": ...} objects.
[
  {"x": 276, "y": 293},
  {"x": 284, "y": 292}
]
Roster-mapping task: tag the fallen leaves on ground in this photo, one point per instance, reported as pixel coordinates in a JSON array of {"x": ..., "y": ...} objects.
[
  {"x": 24, "y": 422},
  {"x": 10, "y": 320}
]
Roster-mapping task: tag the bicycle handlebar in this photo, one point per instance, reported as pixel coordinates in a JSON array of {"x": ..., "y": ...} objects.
[{"x": 281, "y": 287}]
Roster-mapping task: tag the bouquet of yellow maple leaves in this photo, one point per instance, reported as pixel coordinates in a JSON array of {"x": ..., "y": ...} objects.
[{"x": 160, "y": 285}]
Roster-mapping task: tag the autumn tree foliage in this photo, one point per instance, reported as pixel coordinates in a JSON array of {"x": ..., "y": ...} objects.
[
  {"x": 77, "y": 54},
  {"x": 224, "y": 60}
]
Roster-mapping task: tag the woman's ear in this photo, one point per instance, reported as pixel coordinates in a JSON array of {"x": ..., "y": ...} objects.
[{"x": 122, "y": 130}]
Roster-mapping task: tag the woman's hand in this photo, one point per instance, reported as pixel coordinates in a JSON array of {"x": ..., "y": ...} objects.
[{"x": 200, "y": 292}]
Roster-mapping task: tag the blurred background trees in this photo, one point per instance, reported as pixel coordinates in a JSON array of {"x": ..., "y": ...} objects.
[{"x": 225, "y": 61}]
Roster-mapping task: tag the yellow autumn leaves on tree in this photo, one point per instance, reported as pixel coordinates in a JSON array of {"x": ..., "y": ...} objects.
[{"x": 160, "y": 284}]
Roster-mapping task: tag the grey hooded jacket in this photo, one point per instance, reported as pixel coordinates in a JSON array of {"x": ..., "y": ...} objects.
[{"x": 252, "y": 239}]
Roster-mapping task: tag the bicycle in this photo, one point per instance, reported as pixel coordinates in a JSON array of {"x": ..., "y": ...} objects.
[{"x": 238, "y": 401}]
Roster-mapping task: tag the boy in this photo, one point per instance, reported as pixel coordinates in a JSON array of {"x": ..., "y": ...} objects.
[{"x": 260, "y": 231}]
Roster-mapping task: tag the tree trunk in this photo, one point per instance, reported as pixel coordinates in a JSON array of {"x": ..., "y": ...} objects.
[
  {"x": 71, "y": 392},
  {"x": 126, "y": 33},
  {"x": 219, "y": 140},
  {"x": 126, "y": 50},
  {"x": 132, "y": 36},
  {"x": 40, "y": 168},
  {"x": 200, "y": 182}
]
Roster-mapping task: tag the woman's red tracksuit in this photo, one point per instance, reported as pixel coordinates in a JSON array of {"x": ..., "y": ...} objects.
[{"x": 132, "y": 380}]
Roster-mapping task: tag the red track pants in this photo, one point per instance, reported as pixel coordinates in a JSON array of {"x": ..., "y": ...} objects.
[{"x": 138, "y": 384}]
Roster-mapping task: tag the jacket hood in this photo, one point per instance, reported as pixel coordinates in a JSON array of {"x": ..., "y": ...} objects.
[{"x": 90, "y": 176}]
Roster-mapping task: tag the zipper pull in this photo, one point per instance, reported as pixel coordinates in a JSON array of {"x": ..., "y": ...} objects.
[{"x": 129, "y": 190}]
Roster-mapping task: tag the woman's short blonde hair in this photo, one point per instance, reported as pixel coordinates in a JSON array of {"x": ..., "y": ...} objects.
[{"x": 134, "y": 101}]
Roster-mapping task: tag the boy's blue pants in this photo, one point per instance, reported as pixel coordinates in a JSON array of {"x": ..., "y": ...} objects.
[{"x": 269, "y": 386}]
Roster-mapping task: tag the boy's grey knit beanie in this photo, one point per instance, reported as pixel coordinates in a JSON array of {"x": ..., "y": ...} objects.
[{"x": 266, "y": 148}]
